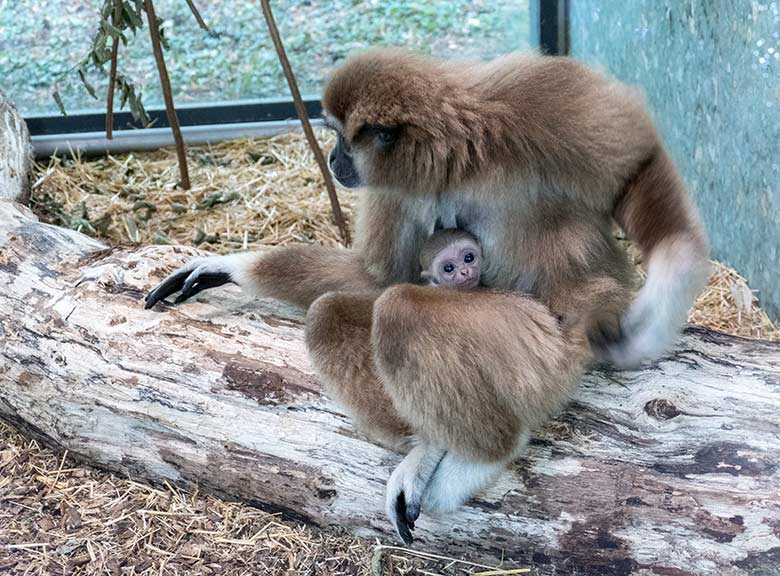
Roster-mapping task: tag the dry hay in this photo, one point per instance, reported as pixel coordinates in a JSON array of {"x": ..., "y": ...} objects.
[
  {"x": 59, "y": 518},
  {"x": 729, "y": 305},
  {"x": 245, "y": 194}
]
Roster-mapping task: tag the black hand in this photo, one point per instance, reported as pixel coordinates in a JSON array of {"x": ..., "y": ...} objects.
[
  {"x": 171, "y": 284},
  {"x": 605, "y": 334},
  {"x": 203, "y": 282},
  {"x": 190, "y": 282},
  {"x": 412, "y": 513}
]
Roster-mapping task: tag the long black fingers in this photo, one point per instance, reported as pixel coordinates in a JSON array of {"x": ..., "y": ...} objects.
[
  {"x": 171, "y": 284},
  {"x": 403, "y": 526},
  {"x": 605, "y": 335},
  {"x": 412, "y": 512},
  {"x": 189, "y": 281},
  {"x": 203, "y": 282}
]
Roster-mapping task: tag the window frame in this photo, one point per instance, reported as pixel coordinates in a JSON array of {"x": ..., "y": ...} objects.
[
  {"x": 51, "y": 133},
  {"x": 550, "y": 26},
  {"x": 230, "y": 112}
]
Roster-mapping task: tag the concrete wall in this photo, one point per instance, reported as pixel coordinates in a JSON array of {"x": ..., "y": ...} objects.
[{"x": 711, "y": 72}]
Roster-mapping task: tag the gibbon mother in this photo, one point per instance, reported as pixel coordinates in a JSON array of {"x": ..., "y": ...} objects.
[{"x": 537, "y": 157}]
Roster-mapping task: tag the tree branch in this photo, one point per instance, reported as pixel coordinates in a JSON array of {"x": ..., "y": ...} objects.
[
  {"x": 198, "y": 17},
  {"x": 165, "y": 82},
  {"x": 304, "y": 118},
  {"x": 673, "y": 469},
  {"x": 112, "y": 77}
]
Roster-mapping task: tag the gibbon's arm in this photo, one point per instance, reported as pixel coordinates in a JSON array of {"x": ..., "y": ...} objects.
[
  {"x": 472, "y": 372},
  {"x": 656, "y": 213},
  {"x": 295, "y": 274}
]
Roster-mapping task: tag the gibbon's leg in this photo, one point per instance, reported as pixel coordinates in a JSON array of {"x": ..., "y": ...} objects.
[
  {"x": 656, "y": 213},
  {"x": 296, "y": 274},
  {"x": 471, "y": 372},
  {"x": 457, "y": 478},
  {"x": 338, "y": 337}
]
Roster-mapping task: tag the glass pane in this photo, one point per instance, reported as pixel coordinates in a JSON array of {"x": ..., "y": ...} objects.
[
  {"x": 711, "y": 72},
  {"x": 41, "y": 41}
]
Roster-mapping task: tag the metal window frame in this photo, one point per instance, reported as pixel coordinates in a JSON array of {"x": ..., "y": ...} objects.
[
  {"x": 235, "y": 112},
  {"x": 550, "y": 26},
  {"x": 214, "y": 121},
  {"x": 85, "y": 132}
]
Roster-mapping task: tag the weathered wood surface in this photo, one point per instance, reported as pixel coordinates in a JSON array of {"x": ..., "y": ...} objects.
[
  {"x": 671, "y": 470},
  {"x": 16, "y": 153}
]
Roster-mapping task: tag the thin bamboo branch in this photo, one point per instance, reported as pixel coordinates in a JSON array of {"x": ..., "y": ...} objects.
[
  {"x": 198, "y": 17},
  {"x": 304, "y": 118},
  {"x": 165, "y": 82},
  {"x": 112, "y": 78}
]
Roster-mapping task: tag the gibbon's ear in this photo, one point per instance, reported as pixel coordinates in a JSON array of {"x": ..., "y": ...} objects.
[{"x": 428, "y": 277}]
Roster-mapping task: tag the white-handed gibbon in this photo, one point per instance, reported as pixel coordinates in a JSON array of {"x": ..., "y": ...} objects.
[{"x": 537, "y": 157}]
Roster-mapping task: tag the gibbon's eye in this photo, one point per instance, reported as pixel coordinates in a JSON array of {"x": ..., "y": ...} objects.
[
  {"x": 384, "y": 136},
  {"x": 449, "y": 268},
  {"x": 468, "y": 258},
  {"x": 387, "y": 136}
]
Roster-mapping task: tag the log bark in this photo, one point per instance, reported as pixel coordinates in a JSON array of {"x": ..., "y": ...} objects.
[
  {"x": 16, "y": 154},
  {"x": 671, "y": 470}
]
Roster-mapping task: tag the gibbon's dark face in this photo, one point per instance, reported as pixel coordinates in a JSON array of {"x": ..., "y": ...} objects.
[
  {"x": 342, "y": 166},
  {"x": 400, "y": 131},
  {"x": 350, "y": 162}
]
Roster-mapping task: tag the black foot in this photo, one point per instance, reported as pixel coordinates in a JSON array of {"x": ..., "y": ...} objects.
[{"x": 405, "y": 525}]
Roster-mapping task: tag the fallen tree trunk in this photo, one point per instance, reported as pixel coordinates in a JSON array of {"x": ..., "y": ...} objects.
[
  {"x": 16, "y": 153},
  {"x": 671, "y": 470}
]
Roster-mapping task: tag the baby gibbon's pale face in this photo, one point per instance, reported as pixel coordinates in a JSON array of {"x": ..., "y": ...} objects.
[{"x": 457, "y": 265}]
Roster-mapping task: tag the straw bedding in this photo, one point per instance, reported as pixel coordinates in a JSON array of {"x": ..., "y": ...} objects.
[
  {"x": 57, "y": 517},
  {"x": 245, "y": 194}
]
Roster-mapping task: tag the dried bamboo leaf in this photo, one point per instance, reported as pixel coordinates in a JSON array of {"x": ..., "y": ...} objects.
[
  {"x": 86, "y": 83},
  {"x": 131, "y": 18},
  {"x": 60, "y": 104},
  {"x": 112, "y": 31}
]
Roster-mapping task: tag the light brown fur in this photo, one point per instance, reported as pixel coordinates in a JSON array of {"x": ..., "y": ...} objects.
[
  {"x": 538, "y": 156},
  {"x": 474, "y": 402},
  {"x": 302, "y": 273},
  {"x": 339, "y": 326}
]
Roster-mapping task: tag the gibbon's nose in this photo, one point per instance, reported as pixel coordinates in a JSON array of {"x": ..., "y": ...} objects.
[{"x": 465, "y": 272}]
